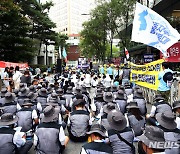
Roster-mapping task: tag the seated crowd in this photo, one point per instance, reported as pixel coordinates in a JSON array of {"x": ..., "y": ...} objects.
[{"x": 111, "y": 119}]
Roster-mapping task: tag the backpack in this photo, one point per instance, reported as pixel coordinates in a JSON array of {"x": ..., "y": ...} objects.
[{"x": 168, "y": 79}]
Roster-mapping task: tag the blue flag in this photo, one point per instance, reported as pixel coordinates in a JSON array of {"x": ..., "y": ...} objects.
[{"x": 64, "y": 54}]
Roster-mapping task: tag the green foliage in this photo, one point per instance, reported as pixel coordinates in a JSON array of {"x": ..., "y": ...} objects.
[
  {"x": 24, "y": 26},
  {"x": 61, "y": 42},
  {"x": 112, "y": 17},
  {"x": 115, "y": 51},
  {"x": 93, "y": 41}
]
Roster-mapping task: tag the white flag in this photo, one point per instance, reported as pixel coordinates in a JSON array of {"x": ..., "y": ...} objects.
[
  {"x": 152, "y": 29},
  {"x": 60, "y": 52}
]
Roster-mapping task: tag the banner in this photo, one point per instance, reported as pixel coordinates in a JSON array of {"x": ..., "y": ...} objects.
[
  {"x": 148, "y": 58},
  {"x": 173, "y": 53},
  {"x": 4, "y": 64},
  {"x": 152, "y": 29},
  {"x": 146, "y": 75}
]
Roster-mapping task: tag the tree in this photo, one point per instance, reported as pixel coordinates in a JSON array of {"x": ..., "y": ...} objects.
[
  {"x": 93, "y": 37},
  {"x": 41, "y": 25},
  {"x": 108, "y": 17},
  {"x": 61, "y": 42},
  {"x": 15, "y": 45},
  {"x": 119, "y": 15},
  {"x": 115, "y": 51},
  {"x": 24, "y": 26}
]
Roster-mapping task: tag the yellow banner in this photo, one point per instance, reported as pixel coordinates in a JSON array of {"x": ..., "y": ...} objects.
[{"x": 146, "y": 75}]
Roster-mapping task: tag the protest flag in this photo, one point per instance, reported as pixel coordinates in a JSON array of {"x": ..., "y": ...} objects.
[
  {"x": 127, "y": 54},
  {"x": 64, "y": 54},
  {"x": 152, "y": 29},
  {"x": 60, "y": 52}
]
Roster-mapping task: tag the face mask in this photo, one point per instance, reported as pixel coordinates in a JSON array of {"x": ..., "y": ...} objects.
[{"x": 140, "y": 149}]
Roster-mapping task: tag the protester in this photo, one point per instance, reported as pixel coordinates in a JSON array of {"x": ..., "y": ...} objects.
[
  {"x": 166, "y": 122},
  {"x": 159, "y": 106},
  {"x": 139, "y": 98},
  {"x": 9, "y": 105},
  {"x": 165, "y": 78},
  {"x": 12, "y": 141},
  {"x": 120, "y": 136},
  {"x": 107, "y": 81},
  {"x": 106, "y": 109},
  {"x": 27, "y": 117},
  {"x": 26, "y": 78},
  {"x": 79, "y": 122},
  {"x": 68, "y": 96},
  {"x": 11, "y": 73},
  {"x": 5, "y": 78},
  {"x": 2, "y": 95},
  {"x": 42, "y": 97},
  {"x": 176, "y": 110},
  {"x": 16, "y": 77},
  {"x": 125, "y": 74},
  {"x": 110, "y": 71},
  {"x": 49, "y": 136},
  {"x": 135, "y": 118},
  {"x": 96, "y": 145},
  {"x": 38, "y": 71},
  {"x": 101, "y": 70},
  {"x": 99, "y": 103},
  {"x": 121, "y": 101},
  {"x": 23, "y": 92},
  {"x": 152, "y": 136}
]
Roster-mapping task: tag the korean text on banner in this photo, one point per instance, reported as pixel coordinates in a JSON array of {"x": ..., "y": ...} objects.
[
  {"x": 146, "y": 75},
  {"x": 159, "y": 33}
]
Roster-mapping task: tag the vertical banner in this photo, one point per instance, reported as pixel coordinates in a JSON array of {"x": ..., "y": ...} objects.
[{"x": 146, "y": 75}]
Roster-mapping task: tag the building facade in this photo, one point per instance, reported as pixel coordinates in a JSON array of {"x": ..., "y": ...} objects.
[
  {"x": 70, "y": 14},
  {"x": 73, "y": 52}
]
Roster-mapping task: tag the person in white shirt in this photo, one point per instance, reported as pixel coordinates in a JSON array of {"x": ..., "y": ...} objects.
[
  {"x": 107, "y": 81},
  {"x": 87, "y": 80},
  {"x": 16, "y": 77},
  {"x": 5, "y": 78}
]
